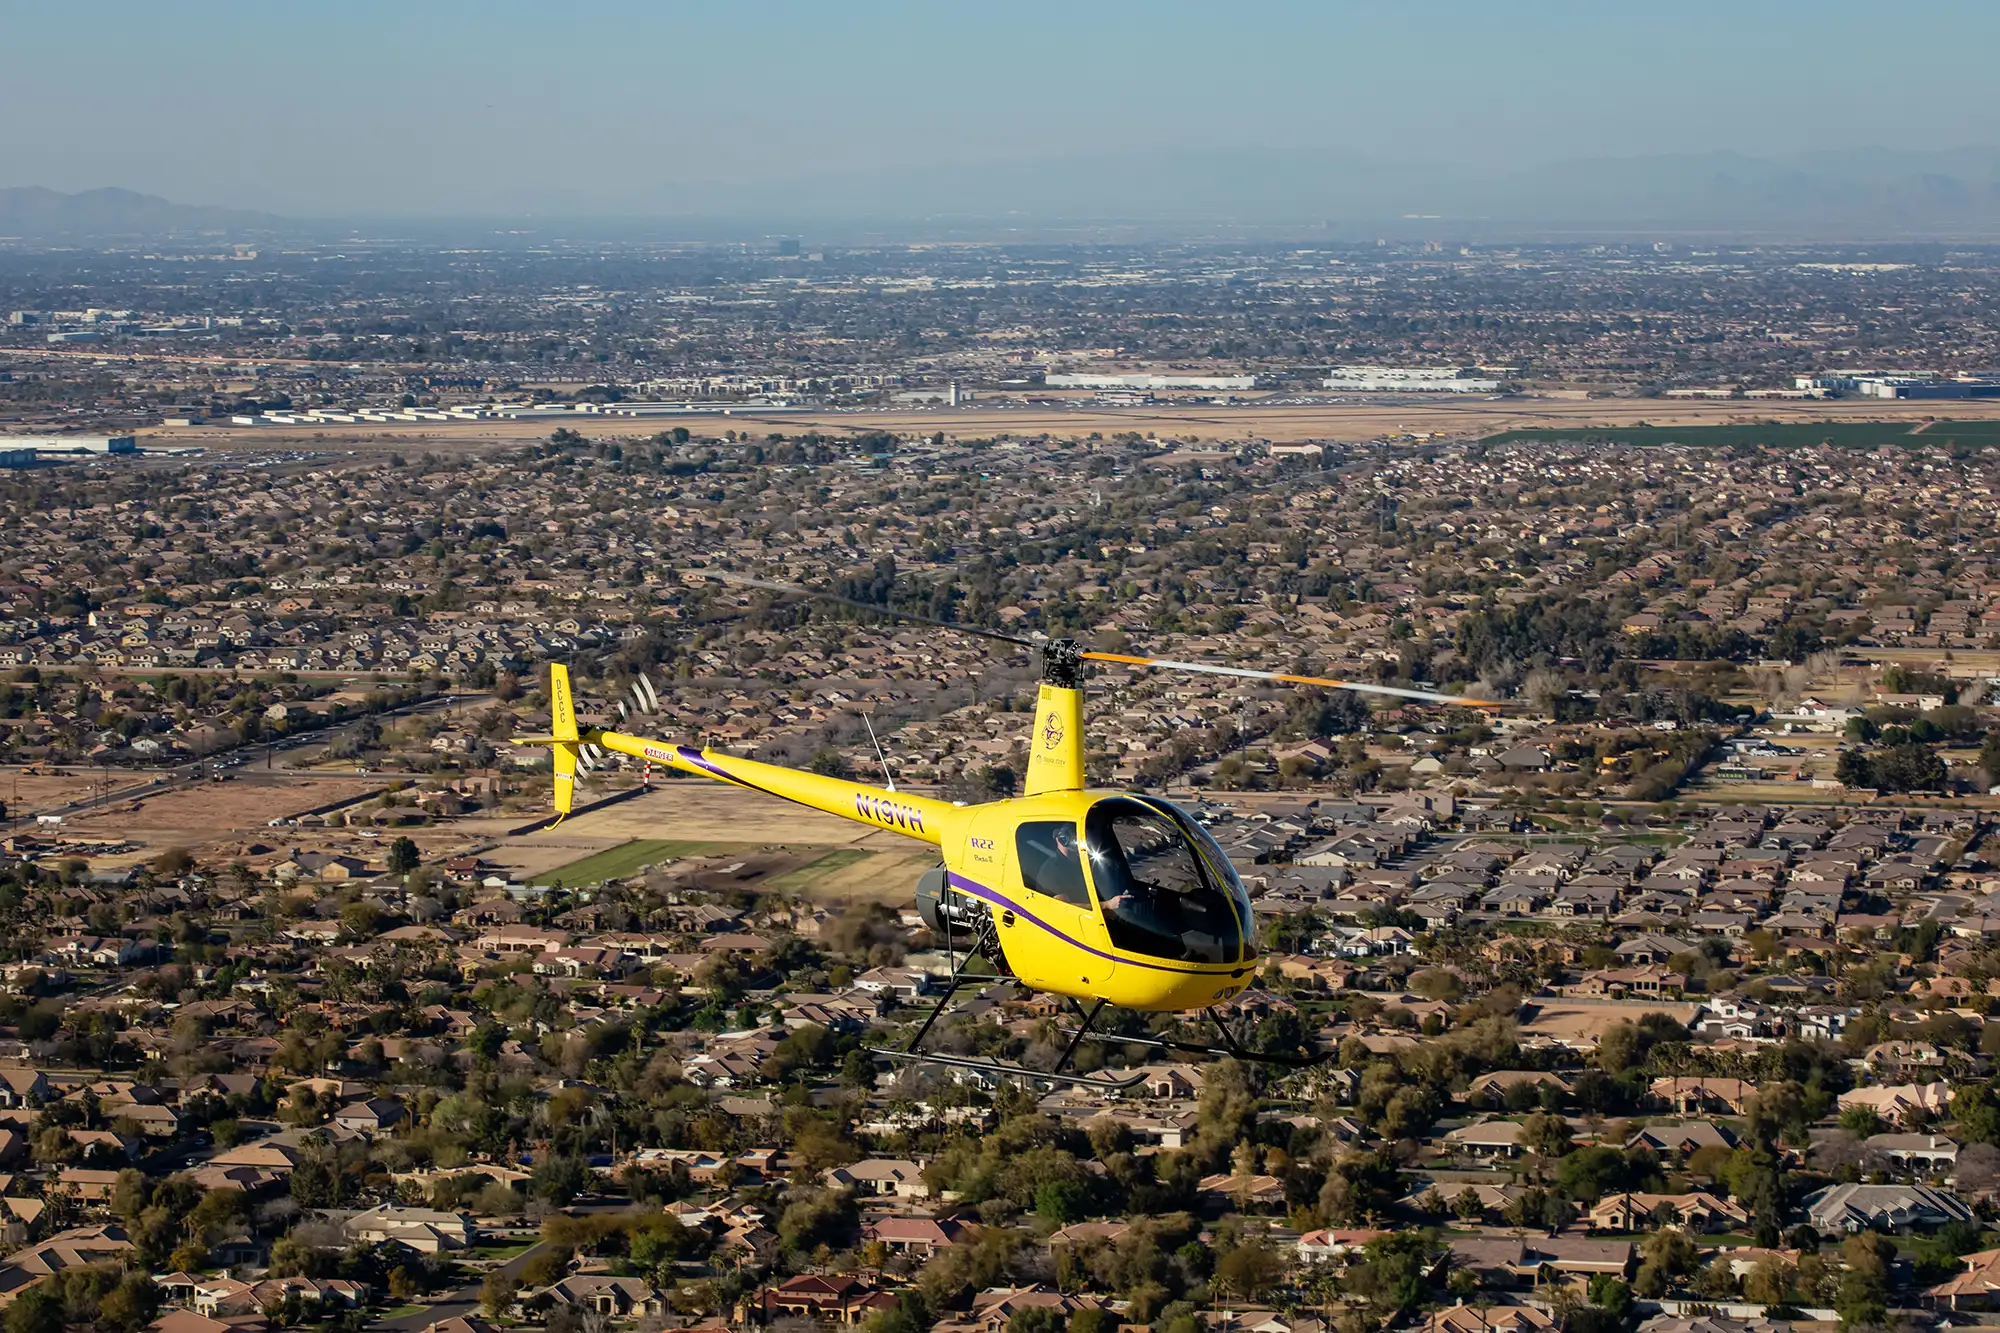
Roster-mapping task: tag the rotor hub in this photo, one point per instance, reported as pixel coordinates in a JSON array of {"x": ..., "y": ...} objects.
[{"x": 1062, "y": 664}]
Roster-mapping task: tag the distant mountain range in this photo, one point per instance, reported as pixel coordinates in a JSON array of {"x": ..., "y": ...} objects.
[
  {"x": 1863, "y": 193},
  {"x": 39, "y": 214}
]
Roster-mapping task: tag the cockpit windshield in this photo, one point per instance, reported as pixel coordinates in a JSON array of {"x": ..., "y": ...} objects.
[{"x": 1164, "y": 886}]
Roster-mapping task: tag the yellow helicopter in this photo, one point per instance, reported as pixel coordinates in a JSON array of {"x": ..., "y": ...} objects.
[{"x": 1109, "y": 898}]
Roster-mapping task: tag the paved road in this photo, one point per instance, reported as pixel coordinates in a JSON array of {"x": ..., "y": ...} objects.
[
  {"x": 241, "y": 761},
  {"x": 303, "y": 673},
  {"x": 451, "y": 1305}
]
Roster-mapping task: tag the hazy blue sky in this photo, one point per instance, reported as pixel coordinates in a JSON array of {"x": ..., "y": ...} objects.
[{"x": 431, "y": 106}]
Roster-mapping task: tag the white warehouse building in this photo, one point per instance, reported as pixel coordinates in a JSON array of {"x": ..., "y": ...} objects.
[
  {"x": 1408, "y": 379},
  {"x": 1148, "y": 381},
  {"x": 72, "y": 444}
]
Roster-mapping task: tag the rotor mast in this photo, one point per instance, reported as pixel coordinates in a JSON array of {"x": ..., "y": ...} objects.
[{"x": 1055, "y": 750}]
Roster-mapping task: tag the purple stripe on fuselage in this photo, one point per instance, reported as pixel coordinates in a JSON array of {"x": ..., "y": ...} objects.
[
  {"x": 980, "y": 891},
  {"x": 695, "y": 757}
]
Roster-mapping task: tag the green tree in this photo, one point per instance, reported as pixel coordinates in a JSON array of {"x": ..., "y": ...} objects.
[
  {"x": 1909, "y": 767},
  {"x": 496, "y": 1293},
  {"x": 1588, "y": 1174},
  {"x": 1672, "y": 1252},
  {"x": 1769, "y": 1281},
  {"x": 1250, "y": 1270},
  {"x": 559, "y": 1178},
  {"x": 816, "y": 1217},
  {"x": 39, "y": 1309},
  {"x": 1989, "y": 757},
  {"x": 828, "y": 762},
  {"x": 1392, "y": 1274},
  {"x": 1545, "y": 1135},
  {"x": 1062, "y": 1201},
  {"x": 315, "y": 1184},
  {"x": 1037, "y": 1319},
  {"x": 1435, "y": 983},
  {"x": 1618, "y": 1048},
  {"x": 404, "y": 856},
  {"x": 1359, "y": 1188},
  {"x": 173, "y": 863},
  {"x": 1226, "y": 1113},
  {"x": 361, "y": 918},
  {"x": 131, "y": 1304},
  {"x": 1861, "y": 1121},
  {"x": 1611, "y": 1295},
  {"x": 546, "y": 1267}
]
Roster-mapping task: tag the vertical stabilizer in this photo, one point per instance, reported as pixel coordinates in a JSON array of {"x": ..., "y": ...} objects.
[
  {"x": 562, "y": 719},
  {"x": 562, "y": 706}
]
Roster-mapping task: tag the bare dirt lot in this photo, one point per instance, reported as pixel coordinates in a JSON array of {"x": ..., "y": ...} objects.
[
  {"x": 1586, "y": 1019},
  {"x": 28, "y": 795},
  {"x": 205, "y": 812},
  {"x": 797, "y": 842},
  {"x": 1280, "y": 423}
]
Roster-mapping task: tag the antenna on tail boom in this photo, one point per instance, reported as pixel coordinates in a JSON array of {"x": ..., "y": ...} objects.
[{"x": 888, "y": 778}]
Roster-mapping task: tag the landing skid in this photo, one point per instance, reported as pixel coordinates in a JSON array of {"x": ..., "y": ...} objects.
[
  {"x": 1231, "y": 1048},
  {"x": 1006, "y": 1068}
]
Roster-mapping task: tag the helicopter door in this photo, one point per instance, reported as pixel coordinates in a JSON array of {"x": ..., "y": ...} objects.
[{"x": 1048, "y": 859}]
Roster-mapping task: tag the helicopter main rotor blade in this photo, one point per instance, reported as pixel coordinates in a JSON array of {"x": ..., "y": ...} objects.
[
  {"x": 1162, "y": 663},
  {"x": 1245, "y": 673},
  {"x": 895, "y": 614}
]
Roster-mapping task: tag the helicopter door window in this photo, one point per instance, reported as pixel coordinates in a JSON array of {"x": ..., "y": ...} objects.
[
  {"x": 1052, "y": 862},
  {"x": 1157, "y": 897}
]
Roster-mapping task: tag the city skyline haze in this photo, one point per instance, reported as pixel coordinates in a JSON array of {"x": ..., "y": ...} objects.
[{"x": 618, "y": 109}]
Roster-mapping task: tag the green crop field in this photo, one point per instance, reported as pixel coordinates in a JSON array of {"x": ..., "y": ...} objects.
[
  {"x": 626, "y": 858},
  {"x": 1842, "y": 434},
  {"x": 1972, "y": 432},
  {"x": 818, "y": 868}
]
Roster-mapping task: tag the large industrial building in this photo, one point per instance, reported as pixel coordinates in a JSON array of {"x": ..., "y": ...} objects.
[
  {"x": 51, "y": 446},
  {"x": 1408, "y": 379},
  {"x": 1903, "y": 384}
]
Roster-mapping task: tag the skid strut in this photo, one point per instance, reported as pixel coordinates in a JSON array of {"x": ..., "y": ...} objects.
[
  {"x": 911, "y": 1051},
  {"x": 1231, "y": 1047}
]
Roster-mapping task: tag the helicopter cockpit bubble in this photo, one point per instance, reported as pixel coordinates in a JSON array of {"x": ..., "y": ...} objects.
[{"x": 1164, "y": 887}]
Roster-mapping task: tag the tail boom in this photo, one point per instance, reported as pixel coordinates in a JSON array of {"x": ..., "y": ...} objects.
[{"x": 919, "y": 817}]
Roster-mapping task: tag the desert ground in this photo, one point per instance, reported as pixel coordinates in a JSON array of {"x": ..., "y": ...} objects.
[
  {"x": 30, "y": 794},
  {"x": 1580, "y": 1019},
  {"x": 788, "y": 846},
  {"x": 784, "y": 847},
  {"x": 221, "y": 820}
]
